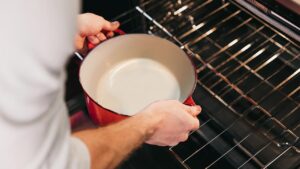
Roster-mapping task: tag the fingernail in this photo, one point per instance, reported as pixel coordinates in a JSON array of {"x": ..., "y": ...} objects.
[
  {"x": 198, "y": 108},
  {"x": 94, "y": 41},
  {"x": 115, "y": 23},
  {"x": 102, "y": 38}
]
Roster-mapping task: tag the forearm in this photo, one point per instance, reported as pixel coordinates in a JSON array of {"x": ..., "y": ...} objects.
[
  {"x": 164, "y": 123},
  {"x": 109, "y": 146}
]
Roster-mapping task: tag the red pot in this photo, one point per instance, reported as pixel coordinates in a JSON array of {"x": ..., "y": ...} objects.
[{"x": 124, "y": 74}]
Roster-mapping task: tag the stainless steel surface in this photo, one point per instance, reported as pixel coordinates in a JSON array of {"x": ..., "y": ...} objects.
[
  {"x": 249, "y": 82},
  {"x": 272, "y": 17},
  {"x": 78, "y": 56}
]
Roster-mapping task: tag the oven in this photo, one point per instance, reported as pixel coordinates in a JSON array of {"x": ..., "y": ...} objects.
[{"x": 247, "y": 55}]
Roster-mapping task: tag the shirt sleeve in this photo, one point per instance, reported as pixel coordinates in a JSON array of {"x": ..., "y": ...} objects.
[{"x": 36, "y": 40}]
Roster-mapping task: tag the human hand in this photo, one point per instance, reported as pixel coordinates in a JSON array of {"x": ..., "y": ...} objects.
[
  {"x": 95, "y": 29},
  {"x": 163, "y": 123},
  {"x": 176, "y": 120}
]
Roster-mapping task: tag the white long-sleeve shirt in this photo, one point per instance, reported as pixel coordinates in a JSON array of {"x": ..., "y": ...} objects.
[{"x": 36, "y": 38}]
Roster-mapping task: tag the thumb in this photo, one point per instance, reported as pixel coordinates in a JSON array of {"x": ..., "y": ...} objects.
[
  {"x": 79, "y": 42},
  {"x": 110, "y": 26},
  {"x": 193, "y": 110}
]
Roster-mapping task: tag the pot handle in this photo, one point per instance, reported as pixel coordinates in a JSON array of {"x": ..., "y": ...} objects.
[
  {"x": 190, "y": 101},
  {"x": 90, "y": 46}
]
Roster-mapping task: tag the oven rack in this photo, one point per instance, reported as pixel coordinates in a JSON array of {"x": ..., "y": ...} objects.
[{"x": 230, "y": 70}]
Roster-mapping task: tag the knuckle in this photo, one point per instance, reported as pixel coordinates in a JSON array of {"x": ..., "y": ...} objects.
[
  {"x": 101, "y": 18},
  {"x": 189, "y": 110},
  {"x": 195, "y": 110},
  {"x": 173, "y": 143},
  {"x": 87, "y": 14},
  {"x": 184, "y": 137}
]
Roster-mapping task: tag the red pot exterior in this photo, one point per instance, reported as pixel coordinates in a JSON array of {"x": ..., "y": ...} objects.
[
  {"x": 190, "y": 101},
  {"x": 102, "y": 116}
]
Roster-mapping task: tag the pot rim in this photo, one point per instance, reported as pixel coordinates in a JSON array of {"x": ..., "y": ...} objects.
[{"x": 107, "y": 109}]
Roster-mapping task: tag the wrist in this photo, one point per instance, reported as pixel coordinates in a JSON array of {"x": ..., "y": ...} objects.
[{"x": 148, "y": 123}]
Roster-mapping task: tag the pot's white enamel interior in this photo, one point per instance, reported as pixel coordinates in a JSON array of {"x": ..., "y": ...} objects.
[{"x": 126, "y": 73}]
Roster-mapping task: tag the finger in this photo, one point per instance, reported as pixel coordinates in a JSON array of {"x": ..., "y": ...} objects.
[
  {"x": 191, "y": 123},
  {"x": 110, "y": 26},
  {"x": 158, "y": 143},
  {"x": 184, "y": 137},
  {"x": 193, "y": 110},
  {"x": 79, "y": 42},
  {"x": 195, "y": 124},
  {"x": 101, "y": 37},
  {"x": 94, "y": 40},
  {"x": 110, "y": 34}
]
